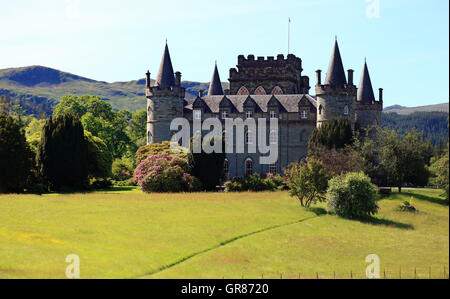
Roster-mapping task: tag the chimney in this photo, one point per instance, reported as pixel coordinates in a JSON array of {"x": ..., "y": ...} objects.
[
  {"x": 319, "y": 77},
  {"x": 147, "y": 76},
  {"x": 177, "y": 79},
  {"x": 350, "y": 77},
  {"x": 381, "y": 95}
]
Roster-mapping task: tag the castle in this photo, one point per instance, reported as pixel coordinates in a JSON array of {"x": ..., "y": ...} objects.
[{"x": 265, "y": 88}]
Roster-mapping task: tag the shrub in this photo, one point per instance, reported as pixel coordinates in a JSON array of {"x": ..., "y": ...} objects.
[
  {"x": 308, "y": 181},
  {"x": 16, "y": 157},
  {"x": 164, "y": 173},
  {"x": 154, "y": 149},
  {"x": 254, "y": 183},
  {"x": 352, "y": 196},
  {"x": 121, "y": 170}
]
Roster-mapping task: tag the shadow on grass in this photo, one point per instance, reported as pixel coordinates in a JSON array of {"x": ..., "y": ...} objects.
[
  {"x": 318, "y": 211},
  {"x": 440, "y": 201},
  {"x": 385, "y": 222}
]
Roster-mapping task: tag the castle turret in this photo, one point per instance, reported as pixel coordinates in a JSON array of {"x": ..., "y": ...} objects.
[
  {"x": 215, "y": 88},
  {"x": 368, "y": 110},
  {"x": 165, "y": 101},
  {"x": 336, "y": 98}
]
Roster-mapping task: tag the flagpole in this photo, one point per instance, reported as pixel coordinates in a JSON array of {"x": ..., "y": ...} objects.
[{"x": 289, "y": 36}]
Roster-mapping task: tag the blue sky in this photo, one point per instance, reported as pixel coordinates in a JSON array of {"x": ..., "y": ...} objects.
[{"x": 405, "y": 41}]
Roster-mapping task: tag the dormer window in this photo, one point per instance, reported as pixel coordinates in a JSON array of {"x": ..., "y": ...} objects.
[
  {"x": 224, "y": 114},
  {"x": 249, "y": 114},
  {"x": 346, "y": 110},
  {"x": 197, "y": 114},
  {"x": 304, "y": 114},
  {"x": 273, "y": 114}
]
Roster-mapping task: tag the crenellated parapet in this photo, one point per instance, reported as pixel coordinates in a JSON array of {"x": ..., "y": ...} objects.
[{"x": 269, "y": 72}]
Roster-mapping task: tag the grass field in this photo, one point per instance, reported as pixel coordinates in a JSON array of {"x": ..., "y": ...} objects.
[{"x": 124, "y": 233}]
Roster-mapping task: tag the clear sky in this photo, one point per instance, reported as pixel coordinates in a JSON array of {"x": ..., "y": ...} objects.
[{"x": 406, "y": 42}]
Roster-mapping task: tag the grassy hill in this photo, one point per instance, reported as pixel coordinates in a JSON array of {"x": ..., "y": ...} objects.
[
  {"x": 38, "y": 88},
  {"x": 129, "y": 234},
  {"x": 410, "y": 110}
]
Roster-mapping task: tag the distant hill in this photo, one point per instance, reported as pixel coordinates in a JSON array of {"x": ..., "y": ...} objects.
[
  {"x": 38, "y": 89},
  {"x": 432, "y": 124},
  {"x": 409, "y": 110}
]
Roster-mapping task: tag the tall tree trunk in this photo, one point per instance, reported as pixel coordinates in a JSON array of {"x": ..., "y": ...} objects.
[{"x": 399, "y": 189}]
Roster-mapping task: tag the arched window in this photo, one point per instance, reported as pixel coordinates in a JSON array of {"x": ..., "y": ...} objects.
[
  {"x": 260, "y": 91},
  {"x": 226, "y": 169},
  {"x": 248, "y": 167},
  {"x": 249, "y": 137},
  {"x": 277, "y": 90},
  {"x": 346, "y": 110},
  {"x": 243, "y": 91},
  {"x": 320, "y": 110},
  {"x": 273, "y": 168},
  {"x": 273, "y": 137}
]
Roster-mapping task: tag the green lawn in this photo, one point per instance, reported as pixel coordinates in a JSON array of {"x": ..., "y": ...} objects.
[{"x": 127, "y": 234}]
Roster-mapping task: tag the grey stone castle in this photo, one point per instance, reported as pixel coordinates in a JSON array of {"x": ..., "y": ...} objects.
[{"x": 265, "y": 88}]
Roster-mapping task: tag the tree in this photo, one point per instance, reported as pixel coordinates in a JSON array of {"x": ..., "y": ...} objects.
[
  {"x": 100, "y": 159},
  {"x": 352, "y": 196},
  {"x": 98, "y": 118},
  {"x": 339, "y": 161},
  {"x": 208, "y": 168},
  {"x": 62, "y": 156},
  {"x": 401, "y": 159},
  {"x": 333, "y": 134},
  {"x": 15, "y": 156},
  {"x": 308, "y": 181},
  {"x": 138, "y": 128},
  {"x": 440, "y": 171}
]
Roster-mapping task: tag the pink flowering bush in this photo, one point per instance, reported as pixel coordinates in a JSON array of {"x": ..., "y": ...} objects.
[{"x": 165, "y": 173}]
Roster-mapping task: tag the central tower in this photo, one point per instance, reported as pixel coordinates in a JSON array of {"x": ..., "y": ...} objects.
[{"x": 165, "y": 101}]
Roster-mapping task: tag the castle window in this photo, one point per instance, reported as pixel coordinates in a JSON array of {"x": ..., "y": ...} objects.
[
  {"x": 273, "y": 168},
  {"x": 346, "y": 110},
  {"x": 243, "y": 91},
  {"x": 197, "y": 114},
  {"x": 304, "y": 114},
  {"x": 273, "y": 137},
  {"x": 149, "y": 138},
  {"x": 249, "y": 114},
  {"x": 320, "y": 110},
  {"x": 260, "y": 91},
  {"x": 224, "y": 114},
  {"x": 273, "y": 114},
  {"x": 249, "y": 137},
  {"x": 226, "y": 169},
  {"x": 248, "y": 167},
  {"x": 277, "y": 91}
]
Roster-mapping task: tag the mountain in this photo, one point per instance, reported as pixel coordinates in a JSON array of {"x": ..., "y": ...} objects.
[
  {"x": 38, "y": 89},
  {"x": 409, "y": 110}
]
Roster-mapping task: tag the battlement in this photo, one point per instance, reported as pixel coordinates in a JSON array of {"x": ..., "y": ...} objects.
[
  {"x": 174, "y": 91},
  {"x": 375, "y": 106},
  {"x": 338, "y": 90},
  {"x": 262, "y": 61}
]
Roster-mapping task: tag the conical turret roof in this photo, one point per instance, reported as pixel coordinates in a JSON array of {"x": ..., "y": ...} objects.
[
  {"x": 336, "y": 73},
  {"x": 365, "y": 90},
  {"x": 166, "y": 77},
  {"x": 215, "y": 88}
]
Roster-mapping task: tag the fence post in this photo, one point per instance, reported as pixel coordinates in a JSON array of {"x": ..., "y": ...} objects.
[
  {"x": 281, "y": 276},
  {"x": 429, "y": 274},
  {"x": 445, "y": 273},
  {"x": 415, "y": 273},
  {"x": 351, "y": 274},
  {"x": 334, "y": 274},
  {"x": 400, "y": 272},
  {"x": 262, "y": 276},
  {"x": 384, "y": 273},
  {"x": 299, "y": 276},
  {"x": 317, "y": 275}
]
